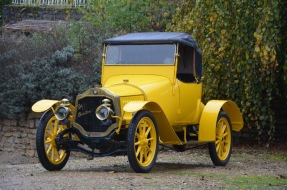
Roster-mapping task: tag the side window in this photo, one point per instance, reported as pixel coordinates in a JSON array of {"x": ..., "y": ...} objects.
[{"x": 185, "y": 67}]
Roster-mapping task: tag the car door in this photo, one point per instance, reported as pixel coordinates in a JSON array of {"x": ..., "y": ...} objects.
[{"x": 190, "y": 88}]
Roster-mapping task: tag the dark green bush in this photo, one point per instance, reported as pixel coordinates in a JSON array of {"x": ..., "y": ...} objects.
[
  {"x": 37, "y": 79},
  {"x": 46, "y": 65}
]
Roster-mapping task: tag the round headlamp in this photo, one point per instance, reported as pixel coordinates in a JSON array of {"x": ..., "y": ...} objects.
[
  {"x": 61, "y": 112},
  {"x": 103, "y": 112}
]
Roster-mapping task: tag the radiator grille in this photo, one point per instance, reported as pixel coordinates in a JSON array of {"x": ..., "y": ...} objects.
[{"x": 86, "y": 116}]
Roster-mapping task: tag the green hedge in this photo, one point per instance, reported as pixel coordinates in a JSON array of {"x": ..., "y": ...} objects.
[{"x": 244, "y": 54}]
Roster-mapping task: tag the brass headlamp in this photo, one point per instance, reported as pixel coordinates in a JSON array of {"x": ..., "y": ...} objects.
[
  {"x": 104, "y": 111},
  {"x": 63, "y": 110}
]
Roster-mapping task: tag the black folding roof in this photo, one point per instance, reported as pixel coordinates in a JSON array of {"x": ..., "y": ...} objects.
[
  {"x": 154, "y": 37},
  {"x": 160, "y": 37}
]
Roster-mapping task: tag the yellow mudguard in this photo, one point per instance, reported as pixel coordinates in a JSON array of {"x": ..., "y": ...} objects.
[
  {"x": 166, "y": 132},
  {"x": 43, "y": 105},
  {"x": 208, "y": 120}
]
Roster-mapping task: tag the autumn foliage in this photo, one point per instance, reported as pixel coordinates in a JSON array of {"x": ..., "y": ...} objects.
[{"x": 244, "y": 49}]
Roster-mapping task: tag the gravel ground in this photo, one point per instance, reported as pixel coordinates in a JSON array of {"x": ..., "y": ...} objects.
[{"x": 249, "y": 168}]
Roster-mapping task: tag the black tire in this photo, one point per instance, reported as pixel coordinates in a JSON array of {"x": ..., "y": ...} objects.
[
  {"x": 220, "y": 150},
  {"x": 142, "y": 142},
  {"x": 50, "y": 157}
]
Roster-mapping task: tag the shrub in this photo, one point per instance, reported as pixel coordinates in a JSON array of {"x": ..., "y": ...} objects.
[
  {"x": 37, "y": 79},
  {"x": 45, "y": 65}
]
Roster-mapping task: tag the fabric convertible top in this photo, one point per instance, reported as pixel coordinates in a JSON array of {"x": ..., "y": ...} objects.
[
  {"x": 154, "y": 37},
  {"x": 160, "y": 37}
]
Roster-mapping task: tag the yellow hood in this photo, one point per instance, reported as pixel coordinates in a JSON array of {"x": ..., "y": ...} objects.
[{"x": 129, "y": 85}]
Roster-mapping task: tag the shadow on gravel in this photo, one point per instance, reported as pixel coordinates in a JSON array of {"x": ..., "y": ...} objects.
[
  {"x": 166, "y": 166},
  {"x": 159, "y": 167}
]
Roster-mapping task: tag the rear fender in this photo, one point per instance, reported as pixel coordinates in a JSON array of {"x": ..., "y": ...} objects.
[
  {"x": 208, "y": 120},
  {"x": 166, "y": 132}
]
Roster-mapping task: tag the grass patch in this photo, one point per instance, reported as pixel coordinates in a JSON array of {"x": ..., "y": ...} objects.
[
  {"x": 276, "y": 157},
  {"x": 257, "y": 182}
]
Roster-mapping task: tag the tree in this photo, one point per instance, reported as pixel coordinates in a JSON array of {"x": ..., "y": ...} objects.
[
  {"x": 122, "y": 16},
  {"x": 244, "y": 60}
]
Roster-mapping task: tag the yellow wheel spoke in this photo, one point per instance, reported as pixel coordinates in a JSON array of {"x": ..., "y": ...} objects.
[
  {"x": 220, "y": 124},
  {"x": 48, "y": 141},
  {"x": 49, "y": 149},
  {"x": 53, "y": 154},
  {"x": 221, "y": 151},
  {"x": 146, "y": 155},
  {"x": 48, "y": 133},
  {"x": 141, "y": 156},
  {"x": 137, "y": 143},
  {"x": 57, "y": 155},
  {"x": 137, "y": 135},
  {"x": 223, "y": 128},
  {"x": 224, "y": 148},
  {"x": 144, "y": 126},
  {"x": 49, "y": 126},
  {"x": 147, "y": 131},
  {"x": 138, "y": 151},
  {"x": 59, "y": 130},
  {"x": 149, "y": 150},
  {"x": 56, "y": 123},
  {"x": 150, "y": 139},
  {"x": 140, "y": 128},
  {"x": 217, "y": 145},
  {"x": 218, "y": 131}
]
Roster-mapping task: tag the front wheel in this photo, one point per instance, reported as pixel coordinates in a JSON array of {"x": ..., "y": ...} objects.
[
  {"x": 220, "y": 150},
  {"x": 51, "y": 157},
  {"x": 142, "y": 142}
]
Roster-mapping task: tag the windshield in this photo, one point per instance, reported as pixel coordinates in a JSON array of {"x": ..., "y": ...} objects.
[{"x": 140, "y": 54}]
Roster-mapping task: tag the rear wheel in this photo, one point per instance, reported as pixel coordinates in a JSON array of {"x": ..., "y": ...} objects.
[
  {"x": 142, "y": 142},
  {"x": 220, "y": 150},
  {"x": 49, "y": 155}
]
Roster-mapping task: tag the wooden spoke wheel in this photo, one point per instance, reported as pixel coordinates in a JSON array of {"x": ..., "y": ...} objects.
[
  {"x": 51, "y": 157},
  {"x": 220, "y": 150},
  {"x": 142, "y": 142}
]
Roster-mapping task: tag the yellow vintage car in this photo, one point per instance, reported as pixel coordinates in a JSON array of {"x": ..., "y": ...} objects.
[{"x": 150, "y": 94}]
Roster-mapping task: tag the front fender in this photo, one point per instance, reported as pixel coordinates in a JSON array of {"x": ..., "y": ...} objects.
[
  {"x": 44, "y": 105},
  {"x": 166, "y": 132},
  {"x": 208, "y": 120}
]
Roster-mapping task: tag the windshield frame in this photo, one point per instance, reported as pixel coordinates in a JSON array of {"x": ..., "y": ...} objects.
[{"x": 171, "y": 58}]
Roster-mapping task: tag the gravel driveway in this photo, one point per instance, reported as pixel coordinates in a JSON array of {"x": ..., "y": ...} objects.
[{"x": 249, "y": 168}]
